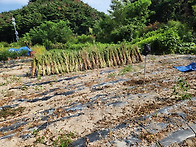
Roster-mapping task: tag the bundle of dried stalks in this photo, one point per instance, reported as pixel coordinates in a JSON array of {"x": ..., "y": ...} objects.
[{"x": 61, "y": 61}]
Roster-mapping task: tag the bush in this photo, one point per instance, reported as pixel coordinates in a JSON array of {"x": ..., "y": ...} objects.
[
  {"x": 26, "y": 40},
  {"x": 4, "y": 55},
  {"x": 168, "y": 39},
  {"x": 85, "y": 39},
  {"x": 58, "y": 45},
  {"x": 187, "y": 48},
  {"x": 4, "y": 44},
  {"x": 51, "y": 32},
  {"x": 162, "y": 43},
  {"x": 79, "y": 46}
]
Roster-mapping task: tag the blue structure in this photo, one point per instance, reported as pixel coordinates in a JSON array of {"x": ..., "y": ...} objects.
[
  {"x": 190, "y": 67},
  {"x": 25, "y": 48}
]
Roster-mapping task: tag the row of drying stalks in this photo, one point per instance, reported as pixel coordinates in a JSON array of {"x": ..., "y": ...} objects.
[{"x": 62, "y": 61}]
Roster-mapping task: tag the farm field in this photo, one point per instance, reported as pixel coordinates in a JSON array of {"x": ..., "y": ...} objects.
[{"x": 101, "y": 107}]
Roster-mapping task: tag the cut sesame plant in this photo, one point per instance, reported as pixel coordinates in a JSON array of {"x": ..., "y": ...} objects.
[{"x": 63, "y": 61}]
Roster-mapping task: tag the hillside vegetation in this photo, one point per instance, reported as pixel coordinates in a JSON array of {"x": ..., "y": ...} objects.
[
  {"x": 79, "y": 15},
  {"x": 167, "y": 25}
]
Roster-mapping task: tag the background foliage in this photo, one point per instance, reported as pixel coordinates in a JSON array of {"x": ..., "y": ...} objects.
[
  {"x": 169, "y": 26},
  {"x": 80, "y": 15}
]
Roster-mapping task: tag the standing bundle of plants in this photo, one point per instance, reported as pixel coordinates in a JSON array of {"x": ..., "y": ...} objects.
[
  {"x": 128, "y": 61},
  {"x": 50, "y": 58},
  {"x": 111, "y": 59},
  {"x": 38, "y": 64},
  {"x": 33, "y": 66},
  {"x": 80, "y": 64},
  {"x": 76, "y": 58},
  {"x": 72, "y": 62},
  {"x": 92, "y": 59},
  {"x": 137, "y": 54},
  {"x": 70, "y": 59},
  {"x": 101, "y": 57},
  {"x": 107, "y": 57},
  {"x": 60, "y": 61},
  {"x": 43, "y": 61},
  {"x": 122, "y": 62},
  {"x": 123, "y": 50},
  {"x": 95, "y": 54},
  {"x": 65, "y": 61},
  {"x": 48, "y": 63},
  {"x": 85, "y": 59},
  {"x": 116, "y": 56},
  {"x": 56, "y": 70},
  {"x": 127, "y": 55}
]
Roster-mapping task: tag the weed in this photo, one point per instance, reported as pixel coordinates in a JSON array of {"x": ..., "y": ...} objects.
[
  {"x": 11, "y": 80},
  {"x": 40, "y": 139},
  {"x": 112, "y": 75},
  {"x": 38, "y": 87},
  {"x": 126, "y": 69},
  {"x": 39, "y": 77},
  {"x": 64, "y": 139},
  {"x": 24, "y": 87},
  {"x": 15, "y": 79},
  {"x": 180, "y": 90},
  {"x": 2, "y": 84},
  {"x": 35, "y": 132}
]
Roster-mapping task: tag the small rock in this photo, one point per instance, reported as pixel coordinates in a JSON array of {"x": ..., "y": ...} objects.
[
  {"x": 118, "y": 143},
  {"x": 189, "y": 143},
  {"x": 174, "y": 145}
]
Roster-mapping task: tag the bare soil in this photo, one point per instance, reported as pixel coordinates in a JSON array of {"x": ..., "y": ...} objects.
[{"x": 100, "y": 107}]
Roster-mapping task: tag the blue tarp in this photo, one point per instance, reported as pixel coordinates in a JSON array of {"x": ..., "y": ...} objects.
[
  {"x": 25, "y": 48},
  {"x": 190, "y": 67}
]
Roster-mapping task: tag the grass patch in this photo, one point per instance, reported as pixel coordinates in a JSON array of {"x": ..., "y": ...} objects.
[
  {"x": 64, "y": 139},
  {"x": 181, "y": 90},
  {"x": 112, "y": 75},
  {"x": 126, "y": 69}
]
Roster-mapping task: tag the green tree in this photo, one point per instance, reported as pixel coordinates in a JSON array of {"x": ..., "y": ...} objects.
[
  {"x": 103, "y": 28},
  {"x": 127, "y": 19},
  {"x": 52, "y": 32},
  {"x": 178, "y": 10},
  {"x": 80, "y": 15}
]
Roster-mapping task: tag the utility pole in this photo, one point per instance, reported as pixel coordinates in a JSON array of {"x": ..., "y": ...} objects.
[{"x": 16, "y": 33}]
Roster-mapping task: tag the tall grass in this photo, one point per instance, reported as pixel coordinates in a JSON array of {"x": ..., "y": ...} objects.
[
  {"x": 38, "y": 49},
  {"x": 96, "y": 56}
]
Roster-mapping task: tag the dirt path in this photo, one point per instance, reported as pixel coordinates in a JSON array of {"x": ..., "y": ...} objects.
[{"x": 102, "y": 107}]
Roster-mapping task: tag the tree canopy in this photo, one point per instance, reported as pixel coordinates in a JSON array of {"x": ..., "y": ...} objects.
[
  {"x": 128, "y": 20},
  {"x": 80, "y": 15}
]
